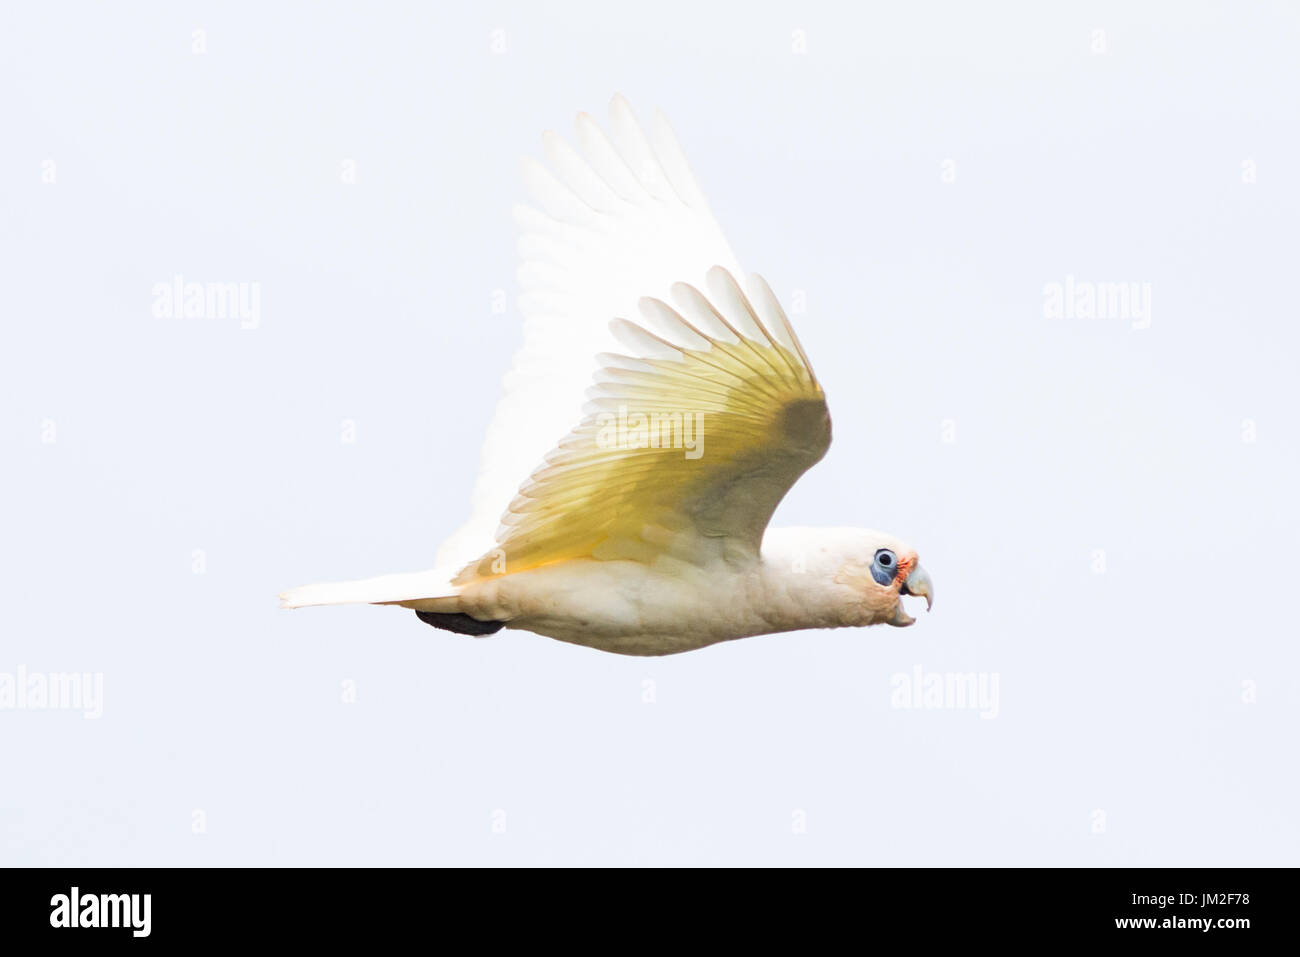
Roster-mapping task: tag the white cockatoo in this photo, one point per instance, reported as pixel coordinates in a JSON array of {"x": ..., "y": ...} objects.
[{"x": 643, "y": 530}]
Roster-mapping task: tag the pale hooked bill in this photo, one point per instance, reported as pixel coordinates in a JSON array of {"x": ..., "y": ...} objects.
[{"x": 643, "y": 529}]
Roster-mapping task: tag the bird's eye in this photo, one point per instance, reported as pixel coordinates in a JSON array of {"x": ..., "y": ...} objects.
[{"x": 883, "y": 568}]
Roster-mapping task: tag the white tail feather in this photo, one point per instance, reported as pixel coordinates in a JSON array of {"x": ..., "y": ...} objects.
[{"x": 387, "y": 589}]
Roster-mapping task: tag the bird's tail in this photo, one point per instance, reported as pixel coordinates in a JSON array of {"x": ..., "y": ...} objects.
[{"x": 427, "y": 591}]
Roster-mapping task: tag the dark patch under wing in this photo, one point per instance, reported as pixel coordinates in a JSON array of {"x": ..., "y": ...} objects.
[{"x": 461, "y": 624}]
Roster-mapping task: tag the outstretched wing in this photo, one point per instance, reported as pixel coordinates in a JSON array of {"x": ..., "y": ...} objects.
[
  {"x": 621, "y": 217},
  {"x": 689, "y": 439},
  {"x": 687, "y": 445}
]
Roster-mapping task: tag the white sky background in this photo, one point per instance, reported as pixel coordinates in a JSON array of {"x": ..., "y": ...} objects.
[{"x": 1124, "y": 693}]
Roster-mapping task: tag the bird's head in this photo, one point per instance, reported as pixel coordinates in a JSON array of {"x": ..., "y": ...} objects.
[{"x": 882, "y": 570}]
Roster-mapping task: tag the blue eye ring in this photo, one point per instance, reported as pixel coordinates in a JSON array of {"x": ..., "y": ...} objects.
[{"x": 884, "y": 567}]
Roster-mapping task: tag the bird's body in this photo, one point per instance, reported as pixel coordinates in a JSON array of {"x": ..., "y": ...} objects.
[
  {"x": 673, "y": 606},
  {"x": 644, "y": 530}
]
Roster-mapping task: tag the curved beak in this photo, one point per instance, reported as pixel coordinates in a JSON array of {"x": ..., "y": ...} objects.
[{"x": 918, "y": 583}]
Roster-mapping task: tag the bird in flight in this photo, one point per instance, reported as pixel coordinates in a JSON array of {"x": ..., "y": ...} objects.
[{"x": 643, "y": 530}]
